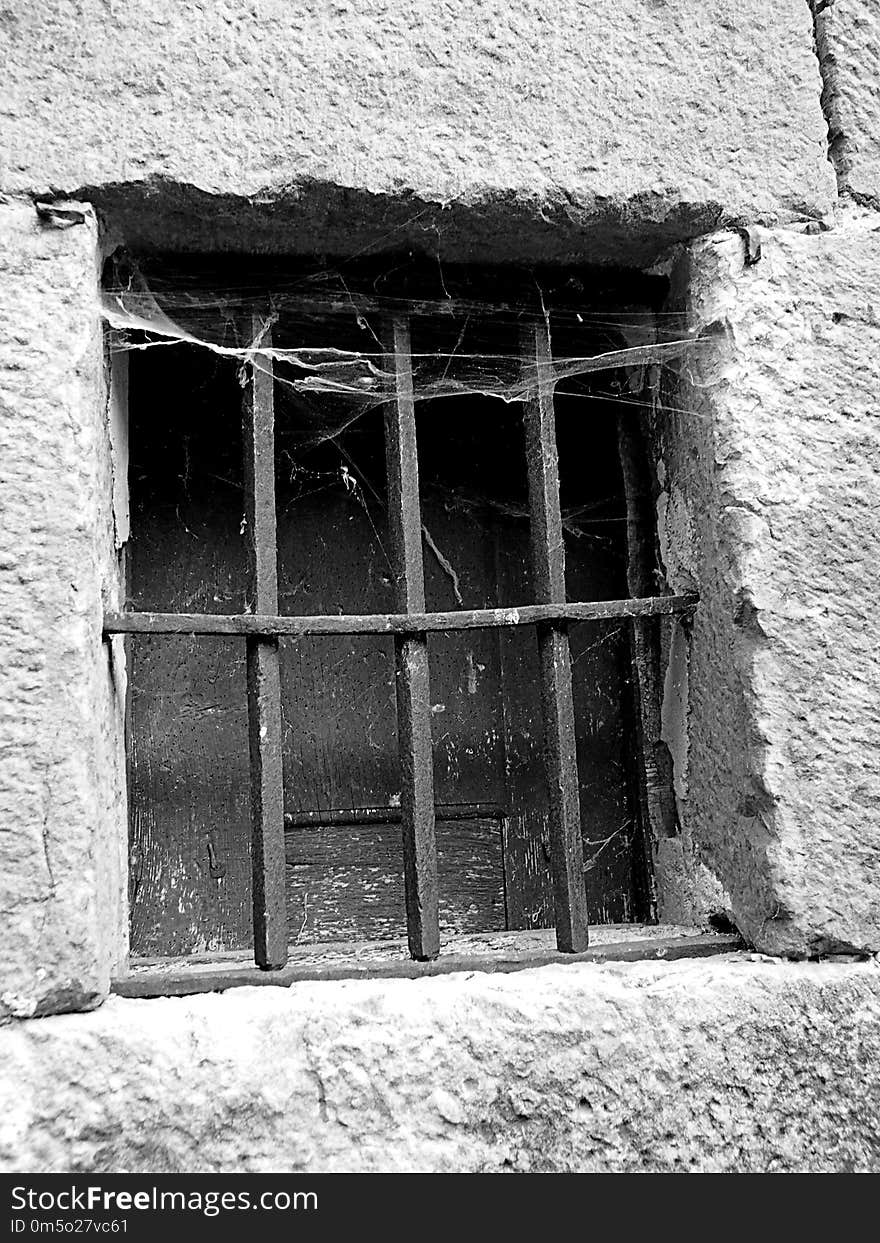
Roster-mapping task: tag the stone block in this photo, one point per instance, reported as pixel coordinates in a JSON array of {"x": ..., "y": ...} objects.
[
  {"x": 61, "y": 797},
  {"x": 772, "y": 506},
  {"x": 590, "y": 130},
  {"x": 848, "y": 42},
  {"x": 719, "y": 1064}
]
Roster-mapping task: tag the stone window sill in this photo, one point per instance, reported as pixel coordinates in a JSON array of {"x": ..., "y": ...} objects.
[{"x": 488, "y": 953}]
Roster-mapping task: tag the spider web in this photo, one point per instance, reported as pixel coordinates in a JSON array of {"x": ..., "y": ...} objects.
[{"x": 325, "y": 336}]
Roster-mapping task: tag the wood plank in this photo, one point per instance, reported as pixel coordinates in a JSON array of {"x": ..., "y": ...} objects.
[
  {"x": 529, "y": 883},
  {"x": 526, "y": 842},
  {"x": 457, "y": 449},
  {"x": 189, "y": 791},
  {"x": 411, "y": 656},
  {"x": 548, "y": 574},
  {"x": 263, "y": 676},
  {"x": 388, "y": 815},
  {"x": 345, "y": 880},
  {"x": 338, "y": 700},
  {"x": 654, "y": 777},
  {"x": 176, "y": 980},
  {"x": 586, "y": 437},
  {"x": 394, "y": 623}
]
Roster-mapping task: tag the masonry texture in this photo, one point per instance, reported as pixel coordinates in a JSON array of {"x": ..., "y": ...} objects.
[
  {"x": 60, "y": 793},
  {"x": 771, "y": 507},
  {"x": 731, "y": 145},
  {"x": 591, "y": 129},
  {"x": 848, "y": 42},
  {"x": 724, "y": 1064}
]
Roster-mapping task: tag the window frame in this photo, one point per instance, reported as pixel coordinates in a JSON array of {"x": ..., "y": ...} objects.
[{"x": 550, "y": 614}]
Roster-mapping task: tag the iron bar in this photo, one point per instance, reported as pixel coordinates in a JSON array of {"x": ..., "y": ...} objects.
[
  {"x": 411, "y": 655},
  {"x": 263, "y": 674},
  {"x": 395, "y": 623},
  {"x": 548, "y": 573}
]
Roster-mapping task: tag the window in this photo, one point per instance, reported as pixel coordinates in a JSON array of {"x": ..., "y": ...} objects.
[{"x": 380, "y": 646}]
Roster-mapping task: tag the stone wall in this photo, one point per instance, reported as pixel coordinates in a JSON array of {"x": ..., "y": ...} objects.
[
  {"x": 848, "y": 43},
  {"x": 723, "y": 1064},
  {"x": 772, "y": 507},
  {"x": 638, "y": 132},
  {"x": 62, "y": 803},
  {"x": 588, "y": 131}
]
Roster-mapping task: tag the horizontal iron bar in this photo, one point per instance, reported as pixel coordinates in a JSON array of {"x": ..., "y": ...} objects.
[
  {"x": 388, "y": 815},
  {"x": 394, "y": 623}
]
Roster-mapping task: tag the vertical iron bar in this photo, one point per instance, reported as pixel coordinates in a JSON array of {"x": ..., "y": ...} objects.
[
  {"x": 548, "y": 570},
  {"x": 263, "y": 675},
  {"x": 411, "y": 656}
]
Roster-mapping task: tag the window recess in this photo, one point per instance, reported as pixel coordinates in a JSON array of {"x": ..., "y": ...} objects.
[{"x": 380, "y": 639}]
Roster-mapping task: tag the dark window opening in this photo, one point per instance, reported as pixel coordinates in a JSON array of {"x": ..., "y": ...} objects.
[{"x": 471, "y": 785}]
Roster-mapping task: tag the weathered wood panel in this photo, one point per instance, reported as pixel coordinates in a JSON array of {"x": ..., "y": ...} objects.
[
  {"x": 652, "y": 762},
  {"x": 596, "y": 564},
  {"x": 466, "y": 691},
  {"x": 488, "y": 735},
  {"x": 346, "y": 880},
  {"x": 527, "y": 840},
  {"x": 190, "y": 833},
  {"x": 338, "y": 692},
  {"x": 190, "y": 872}
]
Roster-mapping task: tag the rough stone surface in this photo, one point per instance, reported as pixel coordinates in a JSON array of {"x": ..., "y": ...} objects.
[
  {"x": 848, "y": 42},
  {"x": 581, "y": 128},
  {"x": 772, "y": 507},
  {"x": 725, "y": 1064},
  {"x": 61, "y": 803}
]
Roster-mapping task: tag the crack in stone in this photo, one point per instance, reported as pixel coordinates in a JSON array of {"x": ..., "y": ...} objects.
[
  {"x": 838, "y": 142},
  {"x": 44, "y": 834},
  {"x": 315, "y": 1075},
  {"x": 828, "y": 96}
]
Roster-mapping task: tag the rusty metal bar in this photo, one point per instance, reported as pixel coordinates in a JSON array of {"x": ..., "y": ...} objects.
[
  {"x": 411, "y": 655},
  {"x": 548, "y": 571},
  {"x": 395, "y": 623},
  {"x": 263, "y": 675}
]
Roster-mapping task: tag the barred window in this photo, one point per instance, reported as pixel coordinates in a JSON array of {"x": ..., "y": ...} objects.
[{"x": 386, "y": 602}]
